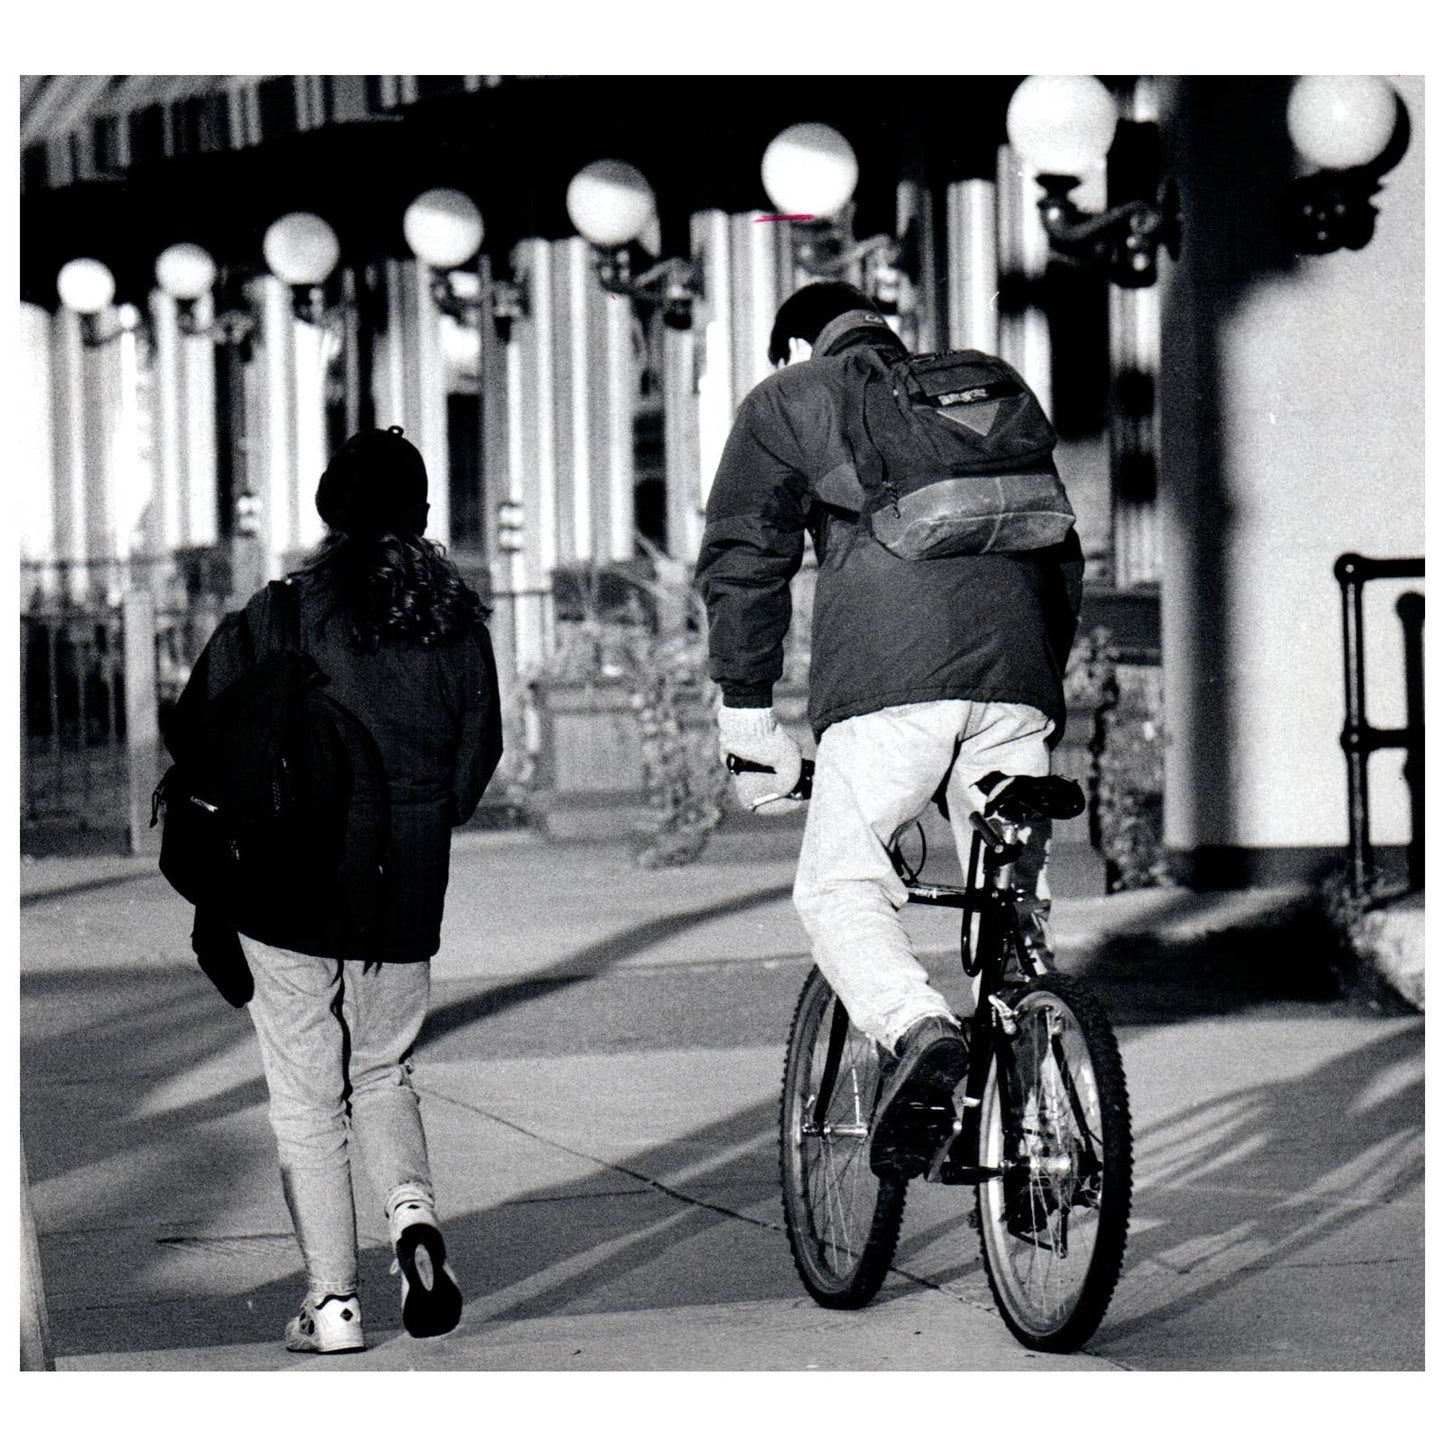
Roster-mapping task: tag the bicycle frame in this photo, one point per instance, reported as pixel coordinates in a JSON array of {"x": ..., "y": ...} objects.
[{"x": 997, "y": 958}]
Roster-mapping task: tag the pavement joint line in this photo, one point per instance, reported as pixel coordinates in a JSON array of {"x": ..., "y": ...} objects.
[
  {"x": 607, "y": 1164},
  {"x": 672, "y": 1193}
]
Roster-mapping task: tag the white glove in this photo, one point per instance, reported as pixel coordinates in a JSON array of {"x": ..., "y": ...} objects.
[{"x": 753, "y": 733}]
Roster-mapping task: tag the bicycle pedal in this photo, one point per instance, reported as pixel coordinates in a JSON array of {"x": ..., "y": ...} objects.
[{"x": 934, "y": 1172}]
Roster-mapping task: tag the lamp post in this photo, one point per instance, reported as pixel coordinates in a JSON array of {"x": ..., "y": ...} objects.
[
  {"x": 1342, "y": 124},
  {"x": 611, "y": 205},
  {"x": 1062, "y": 126},
  {"x": 810, "y": 173}
]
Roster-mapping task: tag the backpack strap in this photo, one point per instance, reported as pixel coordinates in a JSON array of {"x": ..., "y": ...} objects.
[{"x": 276, "y": 627}]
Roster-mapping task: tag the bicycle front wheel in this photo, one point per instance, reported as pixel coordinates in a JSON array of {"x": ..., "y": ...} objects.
[
  {"x": 1055, "y": 1123},
  {"x": 842, "y": 1219}
]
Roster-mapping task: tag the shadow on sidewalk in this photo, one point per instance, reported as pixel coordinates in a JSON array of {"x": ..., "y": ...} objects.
[
  {"x": 588, "y": 963},
  {"x": 136, "y": 1081}
]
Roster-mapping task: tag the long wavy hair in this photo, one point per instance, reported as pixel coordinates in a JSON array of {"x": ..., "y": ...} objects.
[{"x": 396, "y": 587}]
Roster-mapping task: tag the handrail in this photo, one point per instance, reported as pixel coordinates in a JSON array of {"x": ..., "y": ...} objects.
[{"x": 1358, "y": 738}]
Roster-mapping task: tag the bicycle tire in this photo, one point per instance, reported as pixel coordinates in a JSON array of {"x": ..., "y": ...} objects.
[
  {"x": 1054, "y": 1226},
  {"x": 842, "y": 1219}
]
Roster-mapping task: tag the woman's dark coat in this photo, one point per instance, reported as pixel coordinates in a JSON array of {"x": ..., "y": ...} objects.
[{"x": 435, "y": 715}]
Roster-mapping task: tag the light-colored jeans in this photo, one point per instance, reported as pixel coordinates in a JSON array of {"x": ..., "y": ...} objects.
[
  {"x": 873, "y": 774},
  {"x": 336, "y": 1041}
]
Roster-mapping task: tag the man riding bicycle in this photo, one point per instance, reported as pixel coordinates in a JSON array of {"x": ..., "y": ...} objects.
[{"x": 945, "y": 668}]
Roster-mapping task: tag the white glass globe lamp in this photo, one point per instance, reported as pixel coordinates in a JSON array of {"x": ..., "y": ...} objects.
[
  {"x": 1338, "y": 122},
  {"x": 809, "y": 170},
  {"x": 610, "y": 203},
  {"x": 1062, "y": 125},
  {"x": 301, "y": 249},
  {"x": 185, "y": 271},
  {"x": 86, "y": 286},
  {"x": 443, "y": 227}
]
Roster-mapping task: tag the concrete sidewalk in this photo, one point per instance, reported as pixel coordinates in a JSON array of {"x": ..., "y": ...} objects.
[{"x": 599, "y": 1079}]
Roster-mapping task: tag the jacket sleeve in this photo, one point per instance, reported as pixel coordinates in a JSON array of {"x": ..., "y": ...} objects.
[
  {"x": 478, "y": 709},
  {"x": 1063, "y": 566},
  {"x": 751, "y": 548}
]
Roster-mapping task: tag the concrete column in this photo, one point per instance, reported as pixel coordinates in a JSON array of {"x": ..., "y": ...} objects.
[
  {"x": 973, "y": 265},
  {"x": 1292, "y": 424}
]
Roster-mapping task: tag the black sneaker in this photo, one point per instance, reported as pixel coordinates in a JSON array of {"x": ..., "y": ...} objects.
[
  {"x": 431, "y": 1300},
  {"x": 915, "y": 1113}
]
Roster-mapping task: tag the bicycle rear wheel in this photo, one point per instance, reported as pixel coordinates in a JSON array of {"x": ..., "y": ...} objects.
[
  {"x": 1055, "y": 1120},
  {"x": 842, "y": 1219}
]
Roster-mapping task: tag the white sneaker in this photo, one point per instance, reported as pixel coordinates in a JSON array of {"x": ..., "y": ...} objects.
[{"x": 329, "y": 1327}]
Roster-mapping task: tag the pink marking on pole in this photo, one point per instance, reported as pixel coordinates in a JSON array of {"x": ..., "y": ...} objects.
[{"x": 785, "y": 218}]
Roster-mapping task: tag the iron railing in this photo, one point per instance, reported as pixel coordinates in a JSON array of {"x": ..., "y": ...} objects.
[{"x": 1358, "y": 738}]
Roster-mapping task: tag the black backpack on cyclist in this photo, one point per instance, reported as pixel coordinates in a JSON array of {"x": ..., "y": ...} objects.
[
  {"x": 955, "y": 457},
  {"x": 275, "y": 812}
]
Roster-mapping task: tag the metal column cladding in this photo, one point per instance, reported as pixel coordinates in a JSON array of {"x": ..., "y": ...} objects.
[
  {"x": 532, "y": 450},
  {"x": 198, "y": 432},
  {"x": 618, "y": 374},
  {"x": 574, "y": 294},
  {"x": 973, "y": 265},
  {"x": 756, "y": 295},
  {"x": 712, "y": 326}
]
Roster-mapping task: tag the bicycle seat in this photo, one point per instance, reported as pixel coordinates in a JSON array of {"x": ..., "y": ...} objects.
[{"x": 1025, "y": 799}]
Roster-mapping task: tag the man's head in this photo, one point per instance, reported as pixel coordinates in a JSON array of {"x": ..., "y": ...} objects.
[{"x": 806, "y": 312}]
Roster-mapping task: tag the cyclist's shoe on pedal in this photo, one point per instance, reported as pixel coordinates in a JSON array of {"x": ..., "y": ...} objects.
[
  {"x": 915, "y": 1114},
  {"x": 330, "y": 1326}
]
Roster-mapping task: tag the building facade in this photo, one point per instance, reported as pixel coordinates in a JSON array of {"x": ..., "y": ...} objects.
[{"x": 1227, "y": 431}]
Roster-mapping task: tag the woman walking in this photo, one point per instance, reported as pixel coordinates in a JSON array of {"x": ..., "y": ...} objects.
[{"x": 404, "y": 645}]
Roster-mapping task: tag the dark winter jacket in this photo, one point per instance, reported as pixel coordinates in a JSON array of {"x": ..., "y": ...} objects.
[
  {"x": 989, "y": 628},
  {"x": 435, "y": 716}
]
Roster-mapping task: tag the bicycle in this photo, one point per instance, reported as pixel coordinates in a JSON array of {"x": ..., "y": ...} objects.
[{"x": 1040, "y": 1122}]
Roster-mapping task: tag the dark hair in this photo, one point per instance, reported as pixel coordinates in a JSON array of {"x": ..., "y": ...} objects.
[
  {"x": 396, "y": 587},
  {"x": 806, "y": 312}
]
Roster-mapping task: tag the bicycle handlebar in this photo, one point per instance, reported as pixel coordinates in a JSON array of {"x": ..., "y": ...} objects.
[{"x": 801, "y": 792}]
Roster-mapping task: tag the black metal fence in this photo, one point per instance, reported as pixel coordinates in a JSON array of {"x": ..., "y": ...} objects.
[{"x": 105, "y": 648}]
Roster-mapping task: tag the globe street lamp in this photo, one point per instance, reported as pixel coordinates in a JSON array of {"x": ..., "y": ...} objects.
[
  {"x": 1344, "y": 124},
  {"x": 301, "y": 249},
  {"x": 1062, "y": 126},
  {"x": 444, "y": 230},
  {"x": 810, "y": 172},
  {"x": 611, "y": 204}
]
